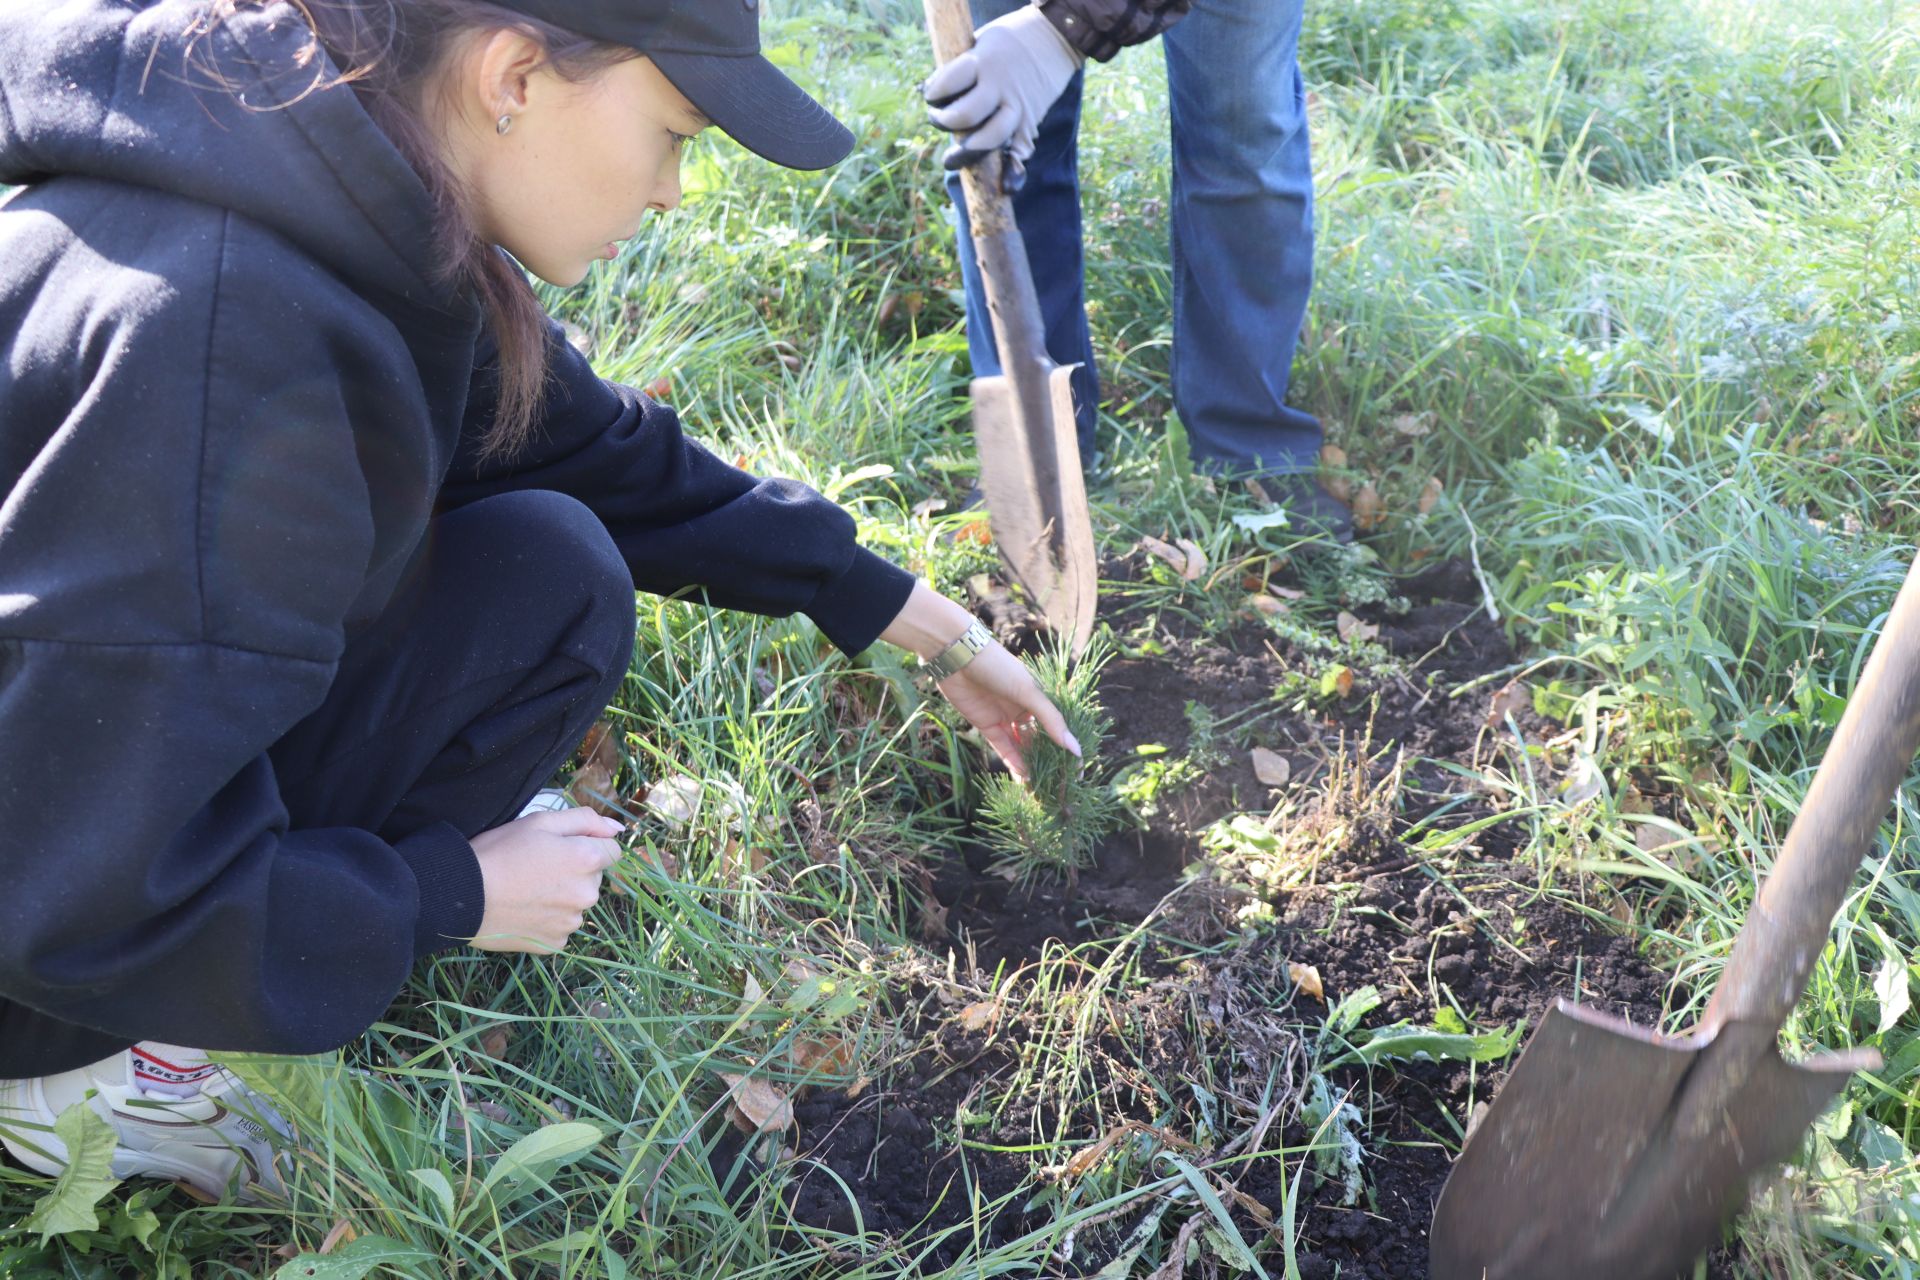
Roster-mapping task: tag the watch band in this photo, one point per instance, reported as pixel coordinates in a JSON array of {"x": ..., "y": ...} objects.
[{"x": 960, "y": 652}]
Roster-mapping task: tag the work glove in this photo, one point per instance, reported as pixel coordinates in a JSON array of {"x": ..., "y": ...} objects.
[{"x": 995, "y": 95}]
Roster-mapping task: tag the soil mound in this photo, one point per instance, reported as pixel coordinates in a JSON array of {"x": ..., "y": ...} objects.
[{"x": 916, "y": 1155}]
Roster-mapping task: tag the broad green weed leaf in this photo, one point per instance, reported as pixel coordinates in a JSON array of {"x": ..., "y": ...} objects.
[
  {"x": 350, "y": 1261},
  {"x": 563, "y": 1247},
  {"x": 1409, "y": 1043},
  {"x": 876, "y": 471},
  {"x": 297, "y": 1085},
  {"x": 1345, "y": 1016},
  {"x": 70, "y": 1205},
  {"x": 1276, "y": 519},
  {"x": 132, "y": 1219},
  {"x": 541, "y": 1152},
  {"x": 436, "y": 1183},
  {"x": 1878, "y": 1146},
  {"x": 1890, "y": 988}
]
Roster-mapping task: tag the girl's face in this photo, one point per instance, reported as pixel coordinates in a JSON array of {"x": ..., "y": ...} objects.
[{"x": 581, "y": 162}]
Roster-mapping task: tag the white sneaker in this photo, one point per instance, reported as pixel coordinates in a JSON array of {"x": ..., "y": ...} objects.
[
  {"x": 548, "y": 800},
  {"x": 219, "y": 1137}
]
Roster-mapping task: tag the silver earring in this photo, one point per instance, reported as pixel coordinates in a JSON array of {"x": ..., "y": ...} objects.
[{"x": 503, "y": 124}]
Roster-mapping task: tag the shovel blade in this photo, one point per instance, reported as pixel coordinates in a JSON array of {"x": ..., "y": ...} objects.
[
  {"x": 1586, "y": 1167},
  {"x": 1037, "y": 501}
]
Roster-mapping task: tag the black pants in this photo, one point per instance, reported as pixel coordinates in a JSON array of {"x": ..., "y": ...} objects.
[{"x": 489, "y": 666}]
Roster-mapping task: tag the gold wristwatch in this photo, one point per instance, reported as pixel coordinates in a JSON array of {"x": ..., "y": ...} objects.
[{"x": 960, "y": 652}]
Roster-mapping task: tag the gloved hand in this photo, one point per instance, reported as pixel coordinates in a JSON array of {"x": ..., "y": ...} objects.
[{"x": 995, "y": 95}]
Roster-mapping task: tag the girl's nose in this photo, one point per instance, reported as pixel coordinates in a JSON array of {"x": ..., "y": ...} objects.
[{"x": 666, "y": 190}]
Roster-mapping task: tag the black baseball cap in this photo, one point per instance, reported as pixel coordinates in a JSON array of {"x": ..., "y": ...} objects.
[{"x": 710, "y": 50}]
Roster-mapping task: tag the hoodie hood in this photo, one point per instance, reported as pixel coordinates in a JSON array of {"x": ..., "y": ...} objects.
[{"x": 228, "y": 114}]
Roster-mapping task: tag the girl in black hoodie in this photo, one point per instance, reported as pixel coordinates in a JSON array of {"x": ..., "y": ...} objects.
[{"x": 317, "y": 542}]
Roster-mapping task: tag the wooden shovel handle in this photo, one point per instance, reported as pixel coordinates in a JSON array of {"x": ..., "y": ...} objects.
[
  {"x": 1869, "y": 757},
  {"x": 950, "y": 23}
]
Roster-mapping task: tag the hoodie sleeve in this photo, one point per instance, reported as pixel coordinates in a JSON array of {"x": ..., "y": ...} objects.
[
  {"x": 176, "y": 559},
  {"x": 680, "y": 516}
]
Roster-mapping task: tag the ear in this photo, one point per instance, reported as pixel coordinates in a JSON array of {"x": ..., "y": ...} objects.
[{"x": 500, "y": 69}]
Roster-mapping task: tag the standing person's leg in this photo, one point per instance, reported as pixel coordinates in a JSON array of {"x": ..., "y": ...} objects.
[
  {"x": 1047, "y": 210},
  {"x": 1242, "y": 233},
  {"x": 511, "y": 635}
]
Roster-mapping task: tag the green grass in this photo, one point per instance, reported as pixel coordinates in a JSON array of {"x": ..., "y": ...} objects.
[{"x": 1647, "y": 273}]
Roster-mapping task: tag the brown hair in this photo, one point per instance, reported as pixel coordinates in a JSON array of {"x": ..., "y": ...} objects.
[{"x": 396, "y": 54}]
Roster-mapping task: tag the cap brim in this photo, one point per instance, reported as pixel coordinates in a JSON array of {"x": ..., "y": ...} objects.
[{"x": 752, "y": 101}]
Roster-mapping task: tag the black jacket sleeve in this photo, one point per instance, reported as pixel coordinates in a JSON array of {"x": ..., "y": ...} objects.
[
  {"x": 175, "y": 564},
  {"x": 680, "y": 516},
  {"x": 1102, "y": 28}
]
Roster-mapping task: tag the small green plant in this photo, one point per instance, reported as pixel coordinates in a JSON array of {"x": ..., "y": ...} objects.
[
  {"x": 1143, "y": 786},
  {"x": 1053, "y": 823}
]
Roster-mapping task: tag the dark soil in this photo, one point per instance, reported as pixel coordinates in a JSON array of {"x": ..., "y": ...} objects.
[{"x": 1373, "y": 913}]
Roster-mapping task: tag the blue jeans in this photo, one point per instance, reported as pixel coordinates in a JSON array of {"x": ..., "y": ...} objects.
[{"x": 1242, "y": 236}]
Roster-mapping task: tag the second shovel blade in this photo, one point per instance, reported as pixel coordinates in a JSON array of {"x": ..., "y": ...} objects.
[
  {"x": 1040, "y": 522},
  {"x": 1578, "y": 1170}
]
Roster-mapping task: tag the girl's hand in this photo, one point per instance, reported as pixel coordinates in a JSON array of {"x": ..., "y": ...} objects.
[
  {"x": 541, "y": 874},
  {"x": 998, "y": 696},
  {"x": 995, "y": 692}
]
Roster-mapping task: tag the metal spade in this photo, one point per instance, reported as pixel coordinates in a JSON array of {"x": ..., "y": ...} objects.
[
  {"x": 1023, "y": 422},
  {"x": 1614, "y": 1153}
]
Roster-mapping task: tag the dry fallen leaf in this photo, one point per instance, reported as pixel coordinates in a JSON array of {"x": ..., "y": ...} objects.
[
  {"x": 342, "y": 1233},
  {"x": 1653, "y": 837},
  {"x": 1288, "y": 593},
  {"x": 493, "y": 1042},
  {"x": 1083, "y": 1161},
  {"x": 1351, "y": 628},
  {"x": 829, "y": 1055},
  {"x": 1412, "y": 424},
  {"x": 1271, "y": 767},
  {"x": 1583, "y": 782},
  {"x": 674, "y": 799},
  {"x": 933, "y": 918},
  {"x": 927, "y": 506},
  {"x": 758, "y": 1105},
  {"x": 1343, "y": 682},
  {"x": 801, "y": 969},
  {"x": 1512, "y": 698},
  {"x": 1181, "y": 555},
  {"x": 1307, "y": 978},
  {"x": 976, "y": 532},
  {"x": 979, "y": 1014},
  {"x": 1264, "y": 603},
  {"x": 741, "y": 859},
  {"x": 1333, "y": 457},
  {"x": 592, "y": 783},
  {"x": 1196, "y": 558},
  {"x": 1369, "y": 512},
  {"x": 1429, "y": 495},
  {"x": 659, "y": 389}
]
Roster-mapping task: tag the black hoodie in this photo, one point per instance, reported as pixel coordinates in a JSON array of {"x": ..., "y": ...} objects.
[{"x": 231, "y": 397}]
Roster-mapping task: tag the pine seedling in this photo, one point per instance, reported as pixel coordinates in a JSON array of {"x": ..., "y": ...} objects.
[{"x": 1054, "y": 823}]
